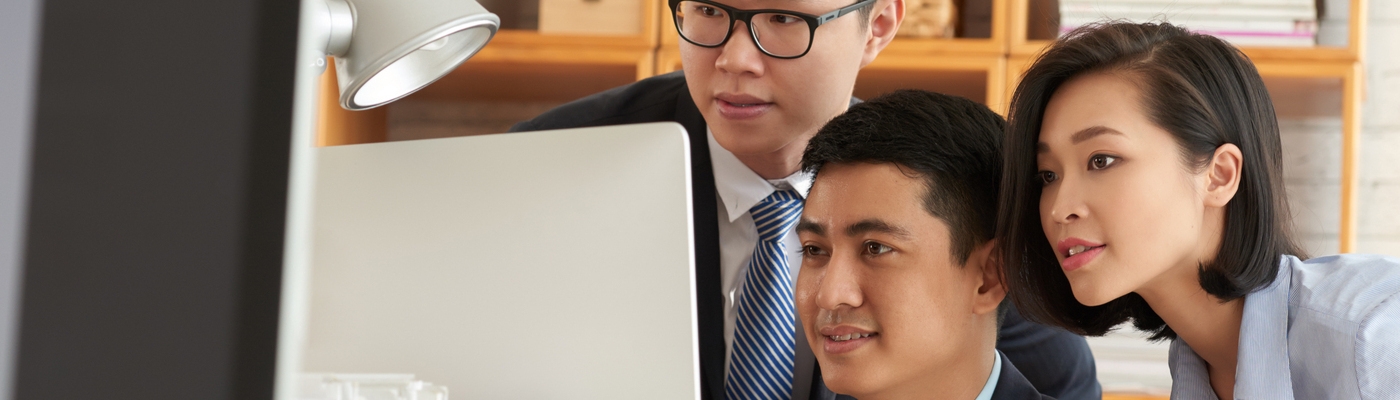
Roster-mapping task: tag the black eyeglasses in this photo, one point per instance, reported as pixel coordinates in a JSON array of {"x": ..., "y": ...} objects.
[{"x": 777, "y": 33}]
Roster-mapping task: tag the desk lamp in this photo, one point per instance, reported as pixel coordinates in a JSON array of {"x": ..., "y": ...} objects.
[{"x": 387, "y": 49}]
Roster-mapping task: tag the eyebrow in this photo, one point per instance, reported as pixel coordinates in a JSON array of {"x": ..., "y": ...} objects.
[
  {"x": 876, "y": 225},
  {"x": 784, "y": 2},
  {"x": 1081, "y": 136},
  {"x": 856, "y": 229},
  {"x": 806, "y": 225}
]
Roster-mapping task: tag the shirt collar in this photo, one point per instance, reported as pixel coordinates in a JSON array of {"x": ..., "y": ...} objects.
[
  {"x": 1261, "y": 369},
  {"x": 991, "y": 385},
  {"x": 740, "y": 188}
]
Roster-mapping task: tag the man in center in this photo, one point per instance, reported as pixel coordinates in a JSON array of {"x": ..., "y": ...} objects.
[{"x": 899, "y": 293}]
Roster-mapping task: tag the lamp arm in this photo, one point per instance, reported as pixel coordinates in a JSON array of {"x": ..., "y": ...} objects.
[
  {"x": 342, "y": 26},
  {"x": 334, "y": 24}
]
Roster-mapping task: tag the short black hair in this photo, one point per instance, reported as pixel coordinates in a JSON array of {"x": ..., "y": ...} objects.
[
  {"x": 952, "y": 143},
  {"x": 1204, "y": 92},
  {"x": 866, "y": 12}
]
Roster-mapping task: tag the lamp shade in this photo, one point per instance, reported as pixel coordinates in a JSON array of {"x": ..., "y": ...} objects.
[{"x": 397, "y": 47}]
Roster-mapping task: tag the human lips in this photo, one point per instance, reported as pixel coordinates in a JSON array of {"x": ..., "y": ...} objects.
[
  {"x": 1075, "y": 252},
  {"x": 741, "y": 106},
  {"x": 845, "y": 338},
  {"x": 849, "y": 336}
]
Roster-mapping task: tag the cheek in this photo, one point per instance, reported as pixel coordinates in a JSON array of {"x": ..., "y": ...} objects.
[
  {"x": 1047, "y": 221},
  {"x": 1153, "y": 222},
  {"x": 803, "y": 82},
  {"x": 822, "y": 79},
  {"x": 1151, "y": 199},
  {"x": 698, "y": 66},
  {"x": 696, "y": 56},
  {"x": 805, "y": 295},
  {"x": 697, "y": 74},
  {"x": 921, "y": 331},
  {"x": 919, "y": 311}
]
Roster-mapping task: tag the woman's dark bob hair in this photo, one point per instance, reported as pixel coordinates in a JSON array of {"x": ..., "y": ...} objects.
[{"x": 1205, "y": 93}]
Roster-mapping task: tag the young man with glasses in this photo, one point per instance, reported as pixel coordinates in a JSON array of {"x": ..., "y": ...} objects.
[{"x": 759, "y": 78}]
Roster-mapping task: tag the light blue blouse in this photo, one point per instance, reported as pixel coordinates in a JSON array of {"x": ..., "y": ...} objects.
[{"x": 1326, "y": 328}]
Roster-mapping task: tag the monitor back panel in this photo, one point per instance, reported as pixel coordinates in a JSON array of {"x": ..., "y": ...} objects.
[{"x": 539, "y": 265}]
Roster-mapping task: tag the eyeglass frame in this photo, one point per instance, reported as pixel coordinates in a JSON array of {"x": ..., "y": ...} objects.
[{"x": 735, "y": 14}]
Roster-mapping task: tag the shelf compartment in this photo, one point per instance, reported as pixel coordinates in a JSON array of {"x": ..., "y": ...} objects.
[
  {"x": 1029, "y": 34},
  {"x": 976, "y": 78}
]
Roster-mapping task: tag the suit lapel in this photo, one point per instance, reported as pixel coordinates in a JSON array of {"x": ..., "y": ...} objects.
[
  {"x": 1011, "y": 385},
  {"x": 710, "y": 305}
]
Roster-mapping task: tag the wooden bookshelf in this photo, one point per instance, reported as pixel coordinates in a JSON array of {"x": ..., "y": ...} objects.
[
  {"x": 517, "y": 65},
  {"x": 525, "y": 65}
]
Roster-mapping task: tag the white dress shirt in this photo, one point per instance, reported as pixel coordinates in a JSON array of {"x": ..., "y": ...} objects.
[
  {"x": 991, "y": 385},
  {"x": 1326, "y": 328},
  {"x": 739, "y": 189}
]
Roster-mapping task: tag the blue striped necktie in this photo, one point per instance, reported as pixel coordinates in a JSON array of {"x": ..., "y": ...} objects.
[{"x": 760, "y": 365}]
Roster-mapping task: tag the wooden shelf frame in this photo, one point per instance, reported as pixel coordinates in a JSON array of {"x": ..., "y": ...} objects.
[
  {"x": 585, "y": 50},
  {"x": 337, "y": 126},
  {"x": 993, "y": 66},
  {"x": 1020, "y": 45}
]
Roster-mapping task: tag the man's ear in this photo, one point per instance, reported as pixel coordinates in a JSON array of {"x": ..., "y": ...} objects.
[
  {"x": 887, "y": 15},
  {"x": 1223, "y": 175},
  {"x": 990, "y": 287}
]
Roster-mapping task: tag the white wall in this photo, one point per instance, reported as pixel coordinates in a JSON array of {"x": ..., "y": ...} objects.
[
  {"x": 1312, "y": 151},
  {"x": 1379, "y": 228}
]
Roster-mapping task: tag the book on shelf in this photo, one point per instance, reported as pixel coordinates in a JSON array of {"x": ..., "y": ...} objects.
[
  {"x": 1207, "y": 2},
  {"x": 1241, "y": 22}
]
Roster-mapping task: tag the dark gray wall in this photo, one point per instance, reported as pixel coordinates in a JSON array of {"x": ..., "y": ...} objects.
[
  {"x": 156, "y": 203},
  {"x": 18, "y": 39}
]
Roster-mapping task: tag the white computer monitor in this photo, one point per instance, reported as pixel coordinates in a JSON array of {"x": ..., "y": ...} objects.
[{"x": 538, "y": 265}]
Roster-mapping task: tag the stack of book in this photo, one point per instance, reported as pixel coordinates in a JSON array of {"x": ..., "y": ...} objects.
[{"x": 1240, "y": 22}]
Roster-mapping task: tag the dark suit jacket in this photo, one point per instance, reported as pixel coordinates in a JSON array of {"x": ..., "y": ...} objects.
[
  {"x": 1014, "y": 386},
  {"x": 1056, "y": 361}
]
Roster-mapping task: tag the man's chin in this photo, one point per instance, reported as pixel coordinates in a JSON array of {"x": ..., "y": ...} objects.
[
  {"x": 763, "y": 126},
  {"x": 850, "y": 380}
]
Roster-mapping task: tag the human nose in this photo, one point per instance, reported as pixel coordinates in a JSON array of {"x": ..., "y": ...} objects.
[
  {"x": 1066, "y": 201},
  {"x": 740, "y": 54},
  {"x": 840, "y": 285}
]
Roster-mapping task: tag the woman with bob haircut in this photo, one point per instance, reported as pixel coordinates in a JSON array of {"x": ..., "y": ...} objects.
[{"x": 1143, "y": 181}]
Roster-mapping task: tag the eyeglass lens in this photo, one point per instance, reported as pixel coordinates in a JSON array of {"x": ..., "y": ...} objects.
[{"x": 778, "y": 34}]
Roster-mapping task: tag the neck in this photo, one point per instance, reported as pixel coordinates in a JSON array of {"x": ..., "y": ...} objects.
[
  {"x": 961, "y": 376},
  {"x": 1210, "y": 326}
]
